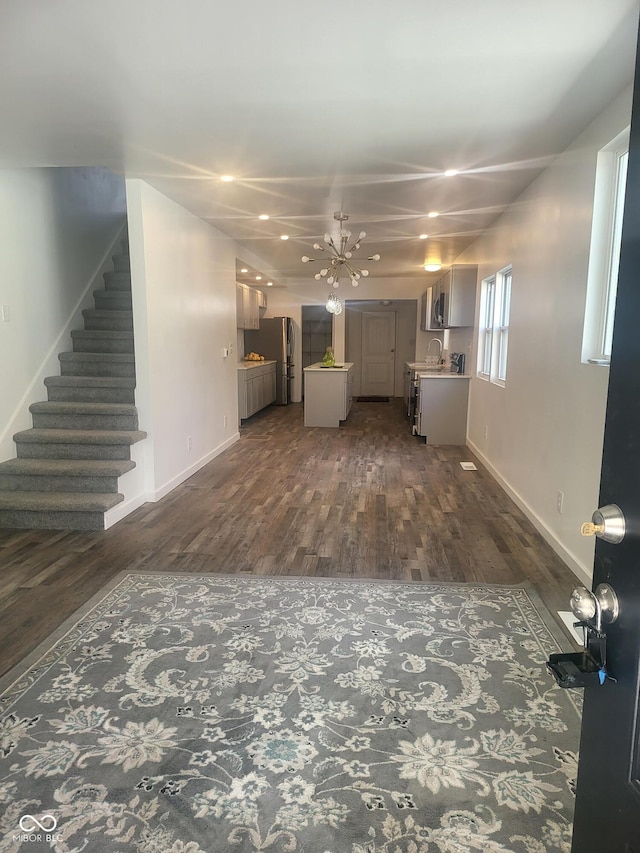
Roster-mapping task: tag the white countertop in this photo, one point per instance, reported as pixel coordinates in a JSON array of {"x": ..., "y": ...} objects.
[
  {"x": 427, "y": 374},
  {"x": 419, "y": 365},
  {"x": 247, "y": 365},
  {"x": 338, "y": 368}
]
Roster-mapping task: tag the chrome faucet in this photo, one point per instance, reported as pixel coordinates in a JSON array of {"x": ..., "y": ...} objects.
[{"x": 439, "y": 342}]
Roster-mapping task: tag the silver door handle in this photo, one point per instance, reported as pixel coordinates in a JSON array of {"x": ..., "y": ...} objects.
[{"x": 595, "y": 607}]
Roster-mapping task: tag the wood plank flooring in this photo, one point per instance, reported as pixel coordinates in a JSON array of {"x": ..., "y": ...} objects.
[{"x": 365, "y": 500}]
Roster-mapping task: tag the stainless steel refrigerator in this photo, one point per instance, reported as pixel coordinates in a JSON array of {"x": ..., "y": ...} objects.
[{"x": 274, "y": 340}]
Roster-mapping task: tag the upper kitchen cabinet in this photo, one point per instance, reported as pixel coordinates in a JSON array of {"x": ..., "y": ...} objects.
[
  {"x": 451, "y": 301},
  {"x": 248, "y": 304}
]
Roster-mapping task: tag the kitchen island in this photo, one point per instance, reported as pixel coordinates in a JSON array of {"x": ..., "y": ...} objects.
[{"x": 328, "y": 393}]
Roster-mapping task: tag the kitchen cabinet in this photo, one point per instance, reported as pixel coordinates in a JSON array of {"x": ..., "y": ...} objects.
[
  {"x": 256, "y": 387},
  {"x": 328, "y": 394},
  {"x": 442, "y": 411},
  {"x": 451, "y": 301},
  {"x": 248, "y": 304}
]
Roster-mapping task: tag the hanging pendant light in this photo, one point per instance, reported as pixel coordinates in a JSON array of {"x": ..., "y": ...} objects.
[{"x": 334, "y": 306}]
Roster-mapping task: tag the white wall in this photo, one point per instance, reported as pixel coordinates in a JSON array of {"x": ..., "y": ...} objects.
[
  {"x": 545, "y": 428},
  {"x": 184, "y": 302},
  {"x": 57, "y": 227}
]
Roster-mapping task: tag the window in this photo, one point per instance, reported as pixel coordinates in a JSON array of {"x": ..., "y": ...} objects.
[
  {"x": 503, "y": 327},
  {"x": 485, "y": 338},
  {"x": 493, "y": 338},
  {"x": 604, "y": 254}
]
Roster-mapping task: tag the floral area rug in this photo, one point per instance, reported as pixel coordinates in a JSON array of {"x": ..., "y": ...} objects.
[{"x": 189, "y": 714}]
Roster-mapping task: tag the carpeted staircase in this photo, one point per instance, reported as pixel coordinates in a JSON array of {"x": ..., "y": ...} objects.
[{"x": 66, "y": 473}]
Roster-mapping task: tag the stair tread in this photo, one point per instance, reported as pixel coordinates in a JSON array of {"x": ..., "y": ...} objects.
[
  {"x": 126, "y": 357},
  {"x": 88, "y": 408},
  {"x": 91, "y": 381},
  {"x": 80, "y": 436},
  {"x": 107, "y": 334},
  {"x": 67, "y": 467},
  {"x": 59, "y": 501},
  {"x": 124, "y": 313}
]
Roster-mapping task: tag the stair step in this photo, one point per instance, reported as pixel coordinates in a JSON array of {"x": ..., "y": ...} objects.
[
  {"x": 117, "y": 280},
  {"x": 65, "y": 476},
  {"x": 101, "y": 340},
  {"x": 121, "y": 321},
  {"x": 55, "y": 510},
  {"x": 62, "y": 475},
  {"x": 87, "y": 416},
  {"x": 121, "y": 262},
  {"x": 90, "y": 389},
  {"x": 119, "y": 300},
  {"x": 97, "y": 364},
  {"x": 76, "y": 444}
]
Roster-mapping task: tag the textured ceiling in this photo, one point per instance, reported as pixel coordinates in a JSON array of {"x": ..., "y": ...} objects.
[{"x": 314, "y": 108}]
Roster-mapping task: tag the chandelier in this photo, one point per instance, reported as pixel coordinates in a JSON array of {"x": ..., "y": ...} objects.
[{"x": 340, "y": 256}]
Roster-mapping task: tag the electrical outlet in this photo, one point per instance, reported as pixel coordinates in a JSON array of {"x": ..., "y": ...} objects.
[
  {"x": 226, "y": 420},
  {"x": 189, "y": 443},
  {"x": 5, "y": 313},
  {"x": 486, "y": 430},
  {"x": 560, "y": 501}
]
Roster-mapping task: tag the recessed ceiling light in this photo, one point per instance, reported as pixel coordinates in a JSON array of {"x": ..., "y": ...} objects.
[
  {"x": 258, "y": 278},
  {"x": 432, "y": 214},
  {"x": 449, "y": 173},
  {"x": 284, "y": 236},
  {"x": 263, "y": 216},
  {"x": 423, "y": 236},
  {"x": 432, "y": 267},
  {"x": 226, "y": 178},
  {"x": 269, "y": 284},
  {"x": 244, "y": 269}
]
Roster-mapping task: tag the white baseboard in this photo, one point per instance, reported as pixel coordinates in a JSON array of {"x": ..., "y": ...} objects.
[
  {"x": 124, "y": 509},
  {"x": 191, "y": 470},
  {"x": 580, "y": 571}
]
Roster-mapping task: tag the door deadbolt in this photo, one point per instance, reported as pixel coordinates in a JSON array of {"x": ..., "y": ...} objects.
[{"x": 606, "y": 523}]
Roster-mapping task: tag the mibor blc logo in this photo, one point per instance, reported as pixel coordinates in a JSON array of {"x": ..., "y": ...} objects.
[
  {"x": 46, "y": 823},
  {"x": 37, "y": 828}
]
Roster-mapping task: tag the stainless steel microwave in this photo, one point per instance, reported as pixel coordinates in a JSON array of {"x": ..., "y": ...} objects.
[{"x": 433, "y": 309}]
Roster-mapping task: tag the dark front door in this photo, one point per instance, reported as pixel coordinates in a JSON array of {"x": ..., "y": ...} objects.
[{"x": 607, "y": 816}]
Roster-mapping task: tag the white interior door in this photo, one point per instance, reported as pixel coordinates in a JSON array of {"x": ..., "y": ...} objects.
[{"x": 378, "y": 353}]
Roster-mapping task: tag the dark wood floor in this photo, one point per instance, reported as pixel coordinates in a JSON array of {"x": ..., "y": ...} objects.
[{"x": 366, "y": 500}]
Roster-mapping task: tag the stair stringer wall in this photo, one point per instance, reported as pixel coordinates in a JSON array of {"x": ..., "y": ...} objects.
[{"x": 131, "y": 485}]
